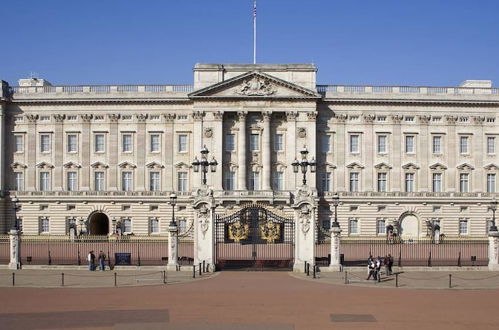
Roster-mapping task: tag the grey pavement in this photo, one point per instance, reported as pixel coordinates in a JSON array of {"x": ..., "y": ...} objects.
[
  {"x": 78, "y": 278},
  {"x": 411, "y": 279}
]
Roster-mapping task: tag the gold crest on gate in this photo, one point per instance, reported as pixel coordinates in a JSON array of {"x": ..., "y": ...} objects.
[
  {"x": 238, "y": 231},
  {"x": 270, "y": 231}
]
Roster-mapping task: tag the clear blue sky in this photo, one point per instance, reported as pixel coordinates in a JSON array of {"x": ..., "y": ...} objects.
[{"x": 383, "y": 42}]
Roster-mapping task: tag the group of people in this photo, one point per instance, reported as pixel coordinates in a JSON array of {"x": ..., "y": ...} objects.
[
  {"x": 374, "y": 266},
  {"x": 91, "y": 261}
]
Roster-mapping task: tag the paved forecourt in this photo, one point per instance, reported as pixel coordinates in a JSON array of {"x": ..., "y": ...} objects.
[{"x": 248, "y": 300}]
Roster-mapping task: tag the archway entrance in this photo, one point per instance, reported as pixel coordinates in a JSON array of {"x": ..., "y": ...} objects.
[
  {"x": 409, "y": 226},
  {"x": 99, "y": 224}
]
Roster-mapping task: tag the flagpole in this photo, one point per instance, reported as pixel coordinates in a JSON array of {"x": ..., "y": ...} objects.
[{"x": 254, "y": 32}]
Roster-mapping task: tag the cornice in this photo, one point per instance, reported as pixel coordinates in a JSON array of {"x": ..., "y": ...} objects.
[{"x": 99, "y": 101}]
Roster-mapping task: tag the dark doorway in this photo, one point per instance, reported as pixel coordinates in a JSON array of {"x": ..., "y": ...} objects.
[{"x": 99, "y": 224}]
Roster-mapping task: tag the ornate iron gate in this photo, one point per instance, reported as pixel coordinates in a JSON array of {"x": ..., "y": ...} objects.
[{"x": 254, "y": 237}]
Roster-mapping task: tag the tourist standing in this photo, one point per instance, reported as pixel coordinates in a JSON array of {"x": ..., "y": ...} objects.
[
  {"x": 102, "y": 260},
  {"x": 91, "y": 261}
]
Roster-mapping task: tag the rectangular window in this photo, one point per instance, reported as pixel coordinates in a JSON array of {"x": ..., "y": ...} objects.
[
  {"x": 230, "y": 142},
  {"x": 380, "y": 227},
  {"x": 354, "y": 181},
  {"x": 382, "y": 144},
  {"x": 230, "y": 180},
  {"x": 491, "y": 183},
  {"x": 254, "y": 183},
  {"x": 464, "y": 182},
  {"x": 491, "y": 145},
  {"x": 278, "y": 142},
  {"x": 254, "y": 142},
  {"x": 437, "y": 145},
  {"x": 182, "y": 181},
  {"x": 154, "y": 225},
  {"x": 18, "y": 181},
  {"x": 154, "y": 182},
  {"x": 44, "y": 181},
  {"x": 353, "y": 226},
  {"x": 155, "y": 143},
  {"x": 99, "y": 181},
  {"x": 326, "y": 181},
  {"x": 409, "y": 144},
  {"x": 278, "y": 181},
  {"x": 127, "y": 145},
  {"x": 71, "y": 181},
  {"x": 182, "y": 143},
  {"x": 381, "y": 182},
  {"x": 463, "y": 144},
  {"x": 182, "y": 225},
  {"x": 409, "y": 182},
  {"x": 437, "y": 182},
  {"x": 127, "y": 225},
  {"x": 126, "y": 181},
  {"x": 326, "y": 143},
  {"x": 354, "y": 143},
  {"x": 45, "y": 143},
  {"x": 44, "y": 225},
  {"x": 463, "y": 227},
  {"x": 72, "y": 145},
  {"x": 18, "y": 143},
  {"x": 99, "y": 145}
]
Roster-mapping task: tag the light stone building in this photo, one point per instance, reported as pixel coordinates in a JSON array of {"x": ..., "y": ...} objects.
[{"x": 410, "y": 157}]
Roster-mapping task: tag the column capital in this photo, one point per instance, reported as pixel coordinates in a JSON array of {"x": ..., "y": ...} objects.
[
  {"x": 312, "y": 115},
  {"x": 32, "y": 118},
  {"x": 113, "y": 117},
  {"x": 291, "y": 115},
  {"x": 198, "y": 115},
  {"x": 242, "y": 115},
  {"x": 59, "y": 118},
  {"x": 266, "y": 115},
  {"x": 169, "y": 117},
  {"x": 141, "y": 117},
  {"x": 86, "y": 117},
  {"x": 218, "y": 115}
]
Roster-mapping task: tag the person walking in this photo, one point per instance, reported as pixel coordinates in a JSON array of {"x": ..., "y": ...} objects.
[
  {"x": 377, "y": 269},
  {"x": 389, "y": 264},
  {"x": 370, "y": 269},
  {"x": 102, "y": 260},
  {"x": 91, "y": 261}
]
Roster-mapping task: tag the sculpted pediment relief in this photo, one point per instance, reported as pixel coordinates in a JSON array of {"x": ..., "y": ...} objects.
[
  {"x": 438, "y": 166},
  {"x": 465, "y": 166},
  {"x": 255, "y": 85}
]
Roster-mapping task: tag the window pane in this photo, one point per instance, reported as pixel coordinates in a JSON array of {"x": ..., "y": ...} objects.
[
  {"x": 229, "y": 142},
  {"x": 154, "y": 184},
  {"x": 380, "y": 227},
  {"x": 326, "y": 143},
  {"x": 409, "y": 144},
  {"x": 254, "y": 181},
  {"x": 99, "y": 143},
  {"x": 491, "y": 145},
  {"x": 381, "y": 182},
  {"x": 491, "y": 183},
  {"x": 154, "y": 225},
  {"x": 44, "y": 181},
  {"x": 354, "y": 143},
  {"x": 409, "y": 182},
  {"x": 71, "y": 181},
  {"x": 464, "y": 182},
  {"x": 127, "y": 142},
  {"x": 381, "y": 143},
  {"x": 278, "y": 181},
  {"x": 463, "y": 227},
  {"x": 72, "y": 143},
  {"x": 45, "y": 143},
  {"x": 437, "y": 144},
  {"x": 19, "y": 143},
  {"x": 182, "y": 181},
  {"x": 437, "y": 182},
  {"x": 278, "y": 142},
  {"x": 230, "y": 180},
  {"x": 155, "y": 143},
  {"x": 353, "y": 226},
  {"x": 354, "y": 182},
  {"x": 254, "y": 142},
  {"x": 126, "y": 182},
  {"x": 326, "y": 181},
  {"x": 463, "y": 144},
  {"x": 18, "y": 181},
  {"x": 182, "y": 143},
  {"x": 99, "y": 181}
]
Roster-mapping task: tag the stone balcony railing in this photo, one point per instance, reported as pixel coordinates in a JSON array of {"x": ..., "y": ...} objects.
[
  {"x": 102, "y": 89},
  {"x": 411, "y": 90},
  {"x": 398, "y": 194}
]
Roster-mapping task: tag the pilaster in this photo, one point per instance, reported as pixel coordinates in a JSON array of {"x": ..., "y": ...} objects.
[
  {"x": 31, "y": 156},
  {"x": 142, "y": 181},
  {"x": 266, "y": 159},
  {"x": 241, "y": 152},
  {"x": 290, "y": 139},
  {"x": 305, "y": 206},
  {"x": 204, "y": 229},
  {"x": 85, "y": 155},
  {"x": 113, "y": 151}
]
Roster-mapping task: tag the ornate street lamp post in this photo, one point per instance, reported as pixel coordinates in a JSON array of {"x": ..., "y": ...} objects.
[
  {"x": 336, "y": 202},
  {"x": 204, "y": 164},
  {"x": 173, "y": 202},
  {"x": 15, "y": 200},
  {"x": 493, "y": 207},
  {"x": 304, "y": 163}
]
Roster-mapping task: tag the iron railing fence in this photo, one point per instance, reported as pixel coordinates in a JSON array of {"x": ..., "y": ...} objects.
[
  {"x": 4, "y": 249},
  {"x": 139, "y": 251},
  {"x": 408, "y": 252}
]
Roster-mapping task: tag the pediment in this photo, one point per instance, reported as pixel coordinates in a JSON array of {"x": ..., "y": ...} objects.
[
  {"x": 354, "y": 165},
  {"x": 154, "y": 165},
  {"x": 44, "y": 165},
  {"x": 491, "y": 167},
  {"x": 410, "y": 166},
  {"x": 328, "y": 166},
  {"x": 382, "y": 166},
  {"x": 180, "y": 165},
  {"x": 99, "y": 165},
  {"x": 71, "y": 165},
  {"x": 465, "y": 166},
  {"x": 126, "y": 165},
  {"x": 255, "y": 84},
  {"x": 18, "y": 165},
  {"x": 438, "y": 166}
]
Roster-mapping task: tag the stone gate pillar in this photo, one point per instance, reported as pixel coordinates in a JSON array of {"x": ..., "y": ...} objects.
[
  {"x": 204, "y": 219},
  {"x": 172, "y": 247},
  {"x": 494, "y": 250},
  {"x": 15, "y": 259},
  {"x": 305, "y": 227},
  {"x": 335, "y": 264}
]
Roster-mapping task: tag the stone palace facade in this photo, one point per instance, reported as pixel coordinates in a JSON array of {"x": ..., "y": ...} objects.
[{"x": 410, "y": 157}]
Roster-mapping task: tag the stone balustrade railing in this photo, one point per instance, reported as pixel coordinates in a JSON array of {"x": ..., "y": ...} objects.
[
  {"x": 411, "y": 194},
  {"x": 102, "y": 89},
  {"x": 411, "y": 90}
]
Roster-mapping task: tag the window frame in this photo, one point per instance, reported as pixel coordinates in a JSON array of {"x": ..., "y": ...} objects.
[{"x": 126, "y": 144}]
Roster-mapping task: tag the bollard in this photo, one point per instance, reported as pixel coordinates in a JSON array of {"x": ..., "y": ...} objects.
[
  {"x": 13, "y": 279},
  {"x": 164, "y": 277},
  {"x": 450, "y": 281},
  {"x": 313, "y": 271},
  {"x": 193, "y": 271},
  {"x": 62, "y": 279},
  {"x": 396, "y": 280},
  {"x": 346, "y": 277},
  {"x": 305, "y": 265},
  {"x": 115, "y": 279},
  {"x": 204, "y": 266},
  {"x": 200, "y": 269},
  {"x": 308, "y": 269}
]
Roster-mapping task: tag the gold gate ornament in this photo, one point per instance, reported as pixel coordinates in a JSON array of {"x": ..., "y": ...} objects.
[
  {"x": 270, "y": 231},
  {"x": 238, "y": 231}
]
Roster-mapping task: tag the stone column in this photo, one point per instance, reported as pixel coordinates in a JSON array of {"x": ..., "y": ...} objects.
[
  {"x": 172, "y": 247},
  {"x": 335, "y": 264},
  {"x": 494, "y": 250},
  {"x": 290, "y": 148},
  {"x": 86, "y": 153},
  {"x": 112, "y": 150},
  {"x": 216, "y": 150},
  {"x": 58, "y": 152},
  {"x": 31, "y": 156},
  {"x": 266, "y": 159},
  {"x": 197, "y": 145},
  {"x": 142, "y": 181},
  {"x": 15, "y": 260},
  {"x": 241, "y": 152},
  {"x": 168, "y": 155},
  {"x": 305, "y": 227},
  {"x": 204, "y": 219}
]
